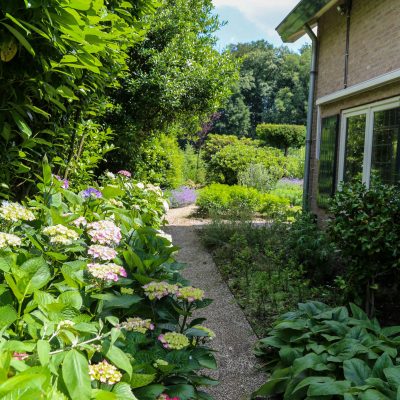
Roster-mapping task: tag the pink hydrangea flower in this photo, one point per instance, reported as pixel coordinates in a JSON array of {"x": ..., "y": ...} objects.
[
  {"x": 104, "y": 253},
  {"x": 125, "y": 173},
  {"x": 104, "y": 232},
  {"x": 107, "y": 272},
  {"x": 20, "y": 356}
]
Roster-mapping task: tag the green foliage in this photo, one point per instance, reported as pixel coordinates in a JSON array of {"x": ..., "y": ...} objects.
[
  {"x": 225, "y": 165},
  {"x": 224, "y": 200},
  {"x": 364, "y": 229},
  {"x": 215, "y": 143},
  {"x": 67, "y": 54},
  {"x": 291, "y": 191},
  {"x": 159, "y": 160},
  {"x": 60, "y": 319},
  {"x": 322, "y": 351},
  {"x": 295, "y": 163},
  {"x": 271, "y": 267},
  {"x": 282, "y": 136},
  {"x": 176, "y": 78},
  {"x": 257, "y": 177},
  {"x": 273, "y": 88},
  {"x": 243, "y": 202},
  {"x": 194, "y": 168}
]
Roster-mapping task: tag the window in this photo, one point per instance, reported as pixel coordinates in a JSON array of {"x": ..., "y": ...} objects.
[
  {"x": 327, "y": 159},
  {"x": 369, "y": 143}
]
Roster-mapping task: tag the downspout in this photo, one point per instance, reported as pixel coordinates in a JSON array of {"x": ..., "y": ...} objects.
[
  {"x": 310, "y": 117},
  {"x": 347, "y": 53}
]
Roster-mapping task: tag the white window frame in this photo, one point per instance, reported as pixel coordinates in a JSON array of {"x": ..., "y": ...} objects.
[{"x": 369, "y": 111}]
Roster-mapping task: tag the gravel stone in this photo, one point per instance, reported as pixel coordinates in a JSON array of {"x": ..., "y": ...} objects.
[{"x": 238, "y": 370}]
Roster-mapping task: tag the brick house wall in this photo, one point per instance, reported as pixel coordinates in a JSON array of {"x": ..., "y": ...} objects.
[{"x": 374, "y": 50}]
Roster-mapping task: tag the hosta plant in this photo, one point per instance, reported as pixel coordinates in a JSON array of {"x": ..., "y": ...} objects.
[
  {"x": 92, "y": 305},
  {"x": 319, "y": 352}
]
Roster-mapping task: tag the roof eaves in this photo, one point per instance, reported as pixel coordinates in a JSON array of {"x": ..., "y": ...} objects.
[{"x": 307, "y": 11}]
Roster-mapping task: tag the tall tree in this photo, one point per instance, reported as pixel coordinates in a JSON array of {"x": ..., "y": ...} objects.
[
  {"x": 176, "y": 78},
  {"x": 272, "y": 88},
  {"x": 57, "y": 59}
]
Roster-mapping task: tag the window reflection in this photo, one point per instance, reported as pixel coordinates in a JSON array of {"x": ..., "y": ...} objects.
[
  {"x": 385, "y": 161},
  {"x": 354, "y": 156}
]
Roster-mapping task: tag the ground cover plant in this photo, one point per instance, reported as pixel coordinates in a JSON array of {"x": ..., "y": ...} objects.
[
  {"x": 322, "y": 352},
  {"x": 270, "y": 268},
  {"x": 93, "y": 305}
]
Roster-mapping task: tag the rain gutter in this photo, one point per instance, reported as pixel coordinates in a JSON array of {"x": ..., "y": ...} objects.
[{"x": 310, "y": 117}]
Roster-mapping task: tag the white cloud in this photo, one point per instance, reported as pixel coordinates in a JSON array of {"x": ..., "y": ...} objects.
[{"x": 266, "y": 14}]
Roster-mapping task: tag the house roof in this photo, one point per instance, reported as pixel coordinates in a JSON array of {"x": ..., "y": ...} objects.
[{"x": 307, "y": 11}]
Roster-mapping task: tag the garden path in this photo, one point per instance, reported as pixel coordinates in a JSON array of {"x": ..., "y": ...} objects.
[{"x": 237, "y": 373}]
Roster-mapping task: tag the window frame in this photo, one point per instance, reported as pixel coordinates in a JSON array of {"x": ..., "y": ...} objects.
[{"x": 369, "y": 111}]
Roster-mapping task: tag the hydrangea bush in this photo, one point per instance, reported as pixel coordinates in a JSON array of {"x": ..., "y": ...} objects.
[{"x": 92, "y": 302}]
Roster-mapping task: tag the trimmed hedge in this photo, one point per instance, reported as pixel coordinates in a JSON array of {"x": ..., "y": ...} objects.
[
  {"x": 282, "y": 136},
  {"x": 233, "y": 201}
]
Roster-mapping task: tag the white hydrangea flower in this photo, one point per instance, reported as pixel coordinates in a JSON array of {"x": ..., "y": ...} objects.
[{"x": 7, "y": 239}]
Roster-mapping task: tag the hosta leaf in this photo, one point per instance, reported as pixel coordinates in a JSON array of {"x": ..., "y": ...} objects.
[
  {"x": 183, "y": 392},
  {"x": 393, "y": 376},
  {"x": 312, "y": 379},
  {"x": 309, "y": 361},
  {"x": 372, "y": 394},
  {"x": 356, "y": 371},
  {"x": 383, "y": 362},
  {"x": 328, "y": 388}
]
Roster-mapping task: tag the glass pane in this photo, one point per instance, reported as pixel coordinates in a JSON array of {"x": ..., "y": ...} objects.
[
  {"x": 354, "y": 156},
  {"x": 327, "y": 160},
  {"x": 385, "y": 149}
]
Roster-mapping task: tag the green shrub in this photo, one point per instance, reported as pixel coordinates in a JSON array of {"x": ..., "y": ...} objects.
[
  {"x": 273, "y": 205},
  {"x": 225, "y": 165},
  {"x": 291, "y": 190},
  {"x": 215, "y": 143},
  {"x": 194, "y": 169},
  {"x": 258, "y": 177},
  {"x": 69, "y": 304},
  {"x": 365, "y": 229},
  {"x": 160, "y": 161},
  {"x": 282, "y": 136},
  {"x": 322, "y": 352},
  {"x": 224, "y": 200}
]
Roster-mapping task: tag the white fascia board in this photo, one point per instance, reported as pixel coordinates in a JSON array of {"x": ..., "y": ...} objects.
[{"x": 360, "y": 87}]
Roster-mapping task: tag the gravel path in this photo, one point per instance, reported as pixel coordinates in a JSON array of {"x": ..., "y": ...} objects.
[{"x": 237, "y": 373}]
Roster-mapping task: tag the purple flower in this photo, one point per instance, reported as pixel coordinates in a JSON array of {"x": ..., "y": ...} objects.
[
  {"x": 64, "y": 182},
  {"x": 183, "y": 196},
  {"x": 291, "y": 181},
  {"x": 124, "y": 173},
  {"x": 91, "y": 192}
]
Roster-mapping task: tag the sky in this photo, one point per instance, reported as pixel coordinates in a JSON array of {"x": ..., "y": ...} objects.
[{"x": 249, "y": 20}]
